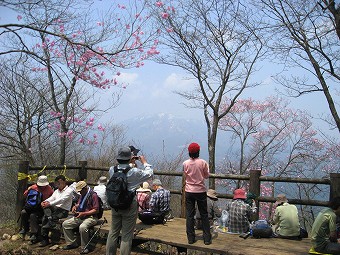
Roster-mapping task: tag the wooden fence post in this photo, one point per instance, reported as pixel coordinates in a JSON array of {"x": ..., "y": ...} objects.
[
  {"x": 22, "y": 185},
  {"x": 254, "y": 187},
  {"x": 334, "y": 190},
  {"x": 82, "y": 172}
]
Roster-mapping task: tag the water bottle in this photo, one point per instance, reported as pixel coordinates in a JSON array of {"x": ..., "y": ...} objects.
[{"x": 224, "y": 219}]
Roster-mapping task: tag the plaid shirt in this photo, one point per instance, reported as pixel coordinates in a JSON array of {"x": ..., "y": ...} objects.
[
  {"x": 160, "y": 200},
  {"x": 239, "y": 216},
  {"x": 143, "y": 199}
]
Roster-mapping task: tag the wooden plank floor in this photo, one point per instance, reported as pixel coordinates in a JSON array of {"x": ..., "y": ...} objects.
[{"x": 173, "y": 233}]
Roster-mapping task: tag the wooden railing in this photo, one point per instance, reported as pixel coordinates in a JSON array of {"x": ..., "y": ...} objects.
[{"x": 254, "y": 178}]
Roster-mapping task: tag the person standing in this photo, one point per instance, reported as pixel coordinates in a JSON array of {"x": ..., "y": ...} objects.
[
  {"x": 100, "y": 189},
  {"x": 213, "y": 211},
  {"x": 30, "y": 215},
  {"x": 323, "y": 234},
  {"x": 55, "y": 207},
  {"x": 195, "y": 171},
  {"x": 286, "y": 219},
  {"x": 124, "y": 220}
]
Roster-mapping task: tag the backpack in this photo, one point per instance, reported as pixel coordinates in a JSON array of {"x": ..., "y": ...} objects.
[
  {"x": 261, "y": 229},
  {"x": 150, "y": 217},
  {"x": 101, "y": 206},
  {"x": 117, "y": 193},
  {"x": 33, "y": 200}
]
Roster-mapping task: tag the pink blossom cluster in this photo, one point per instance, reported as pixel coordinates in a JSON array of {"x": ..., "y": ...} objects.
[{"x": 72, "y": 120}]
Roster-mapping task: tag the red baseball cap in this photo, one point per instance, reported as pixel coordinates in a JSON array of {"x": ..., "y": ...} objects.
[{"x": 193, "y": 148}]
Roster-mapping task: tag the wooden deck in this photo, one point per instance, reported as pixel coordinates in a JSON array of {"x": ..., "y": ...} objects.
[{"x": 173, "y": 233}]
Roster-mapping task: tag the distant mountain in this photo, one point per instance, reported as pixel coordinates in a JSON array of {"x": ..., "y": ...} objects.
[{"x": 166, "y": 133}]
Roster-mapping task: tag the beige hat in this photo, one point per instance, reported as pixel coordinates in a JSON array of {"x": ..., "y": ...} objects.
[
  {"x": 212, "y": 194},
  {"x": 281, "y": 198},
  {"x": 102, "y": 180},
  {"x": 42, "y": 180},
  {"x": 80, "y": 185},
  {"x": 145, "y": 188}
]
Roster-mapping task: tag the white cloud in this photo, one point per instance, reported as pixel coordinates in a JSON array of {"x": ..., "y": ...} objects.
[
  {"x": 127, "y": 78},
  {"x": 176, "y": 81}
]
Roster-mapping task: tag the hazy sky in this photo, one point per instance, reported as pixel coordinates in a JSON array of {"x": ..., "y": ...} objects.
[{"x": 150, "y": 90}]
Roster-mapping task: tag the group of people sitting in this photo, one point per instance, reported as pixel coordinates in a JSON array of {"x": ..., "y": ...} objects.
[
  {"x": 51, "y": 206},
  {"x": 284, "y": 223}
]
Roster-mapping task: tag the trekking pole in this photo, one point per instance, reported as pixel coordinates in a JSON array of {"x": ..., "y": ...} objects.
[{"x": 85, "y": 247}]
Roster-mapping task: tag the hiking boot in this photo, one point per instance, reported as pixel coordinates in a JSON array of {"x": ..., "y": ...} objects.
[
  {"x": 22, "y": 234},
  {"x": 49, "y": 225},
  {"x": 191, "y": 241},
  {"x": 70, "y": 246},
  {"x": 86, "y": 251},
  {"x": 33, "y": 239},
  {"x": 44, "y": 243},
  {"x": 207, "y": 242}
]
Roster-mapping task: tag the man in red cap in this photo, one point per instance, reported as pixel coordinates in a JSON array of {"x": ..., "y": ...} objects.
[
  {"x": 239, "y": 213},
  {"x": 196, "y": 170}
]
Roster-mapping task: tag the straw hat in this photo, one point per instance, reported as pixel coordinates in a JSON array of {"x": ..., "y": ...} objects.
[
  {"x": 80, "y": 185},
  {"x": 145, "y": 188},
  {"x": 280, "y": 199},
  {"x": 42, "y": 181},
  {"x": 212, "y": 194}
]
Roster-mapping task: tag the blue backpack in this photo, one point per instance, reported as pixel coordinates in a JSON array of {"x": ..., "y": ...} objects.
[
  {"x": 261, "y": 229},
  {"x": 33, "y": 200}
]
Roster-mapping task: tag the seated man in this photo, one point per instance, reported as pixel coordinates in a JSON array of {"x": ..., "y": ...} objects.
[
  {"x": 85, "y": 217},
  {"x": 239, "y": 213},
  {"x": 143, "y": 197},
  {"x": 33, "y": 211},
  {"x": 213, "y": 211},
  {"x": 323, "y": 234},
  {"x": 286, "y": 219},
  {"x": 160, "y": 199},
  {"x": 56, "y": 207},
  {"x": 100, "y": 189}
]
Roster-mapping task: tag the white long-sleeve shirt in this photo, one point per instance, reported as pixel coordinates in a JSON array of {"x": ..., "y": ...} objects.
[{"x": 62, "y": 198}]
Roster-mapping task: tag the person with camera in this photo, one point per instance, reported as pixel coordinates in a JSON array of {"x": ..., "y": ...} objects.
[{"x": 124, "y": 220}]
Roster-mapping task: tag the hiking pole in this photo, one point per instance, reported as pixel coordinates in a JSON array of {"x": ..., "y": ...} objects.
[{"x": 94, "y": 234}]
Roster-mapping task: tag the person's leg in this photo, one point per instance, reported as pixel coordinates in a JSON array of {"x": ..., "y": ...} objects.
[
  {"x": 128, "y": 226},
  {"x": 190, "y": 213},
  {"x": 68, "y": 226},
  {"x": 112, "y": 238},
  {"x": 202, "y": 207},
  {"x": 34, "y": 226},
  {"x": 84, "y": 230},
  {"x": 24, "y": 224},
  {"x": 45, "y": 227}
]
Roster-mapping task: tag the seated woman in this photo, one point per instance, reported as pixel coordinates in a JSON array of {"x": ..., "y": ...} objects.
[{"x": 143, "y": 196}]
